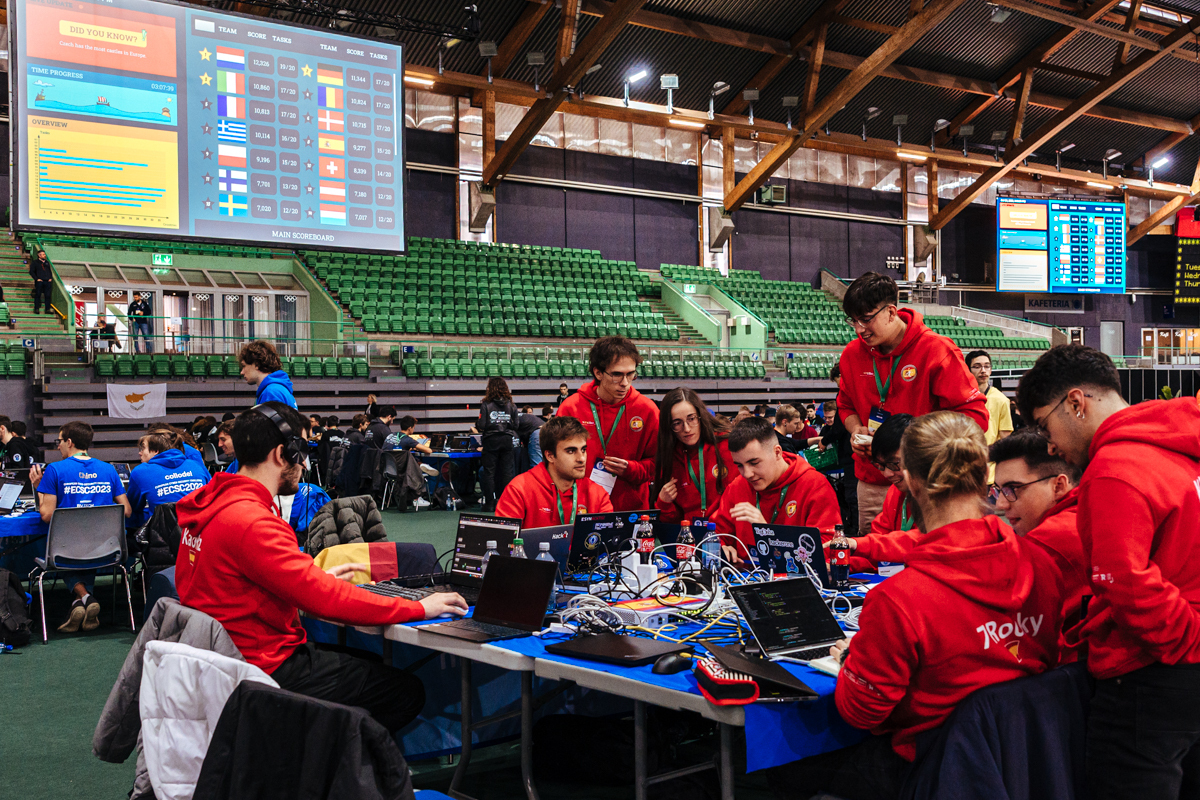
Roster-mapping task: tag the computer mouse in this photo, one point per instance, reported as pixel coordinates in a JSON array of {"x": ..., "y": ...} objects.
[{"x": 671, "y": 663}]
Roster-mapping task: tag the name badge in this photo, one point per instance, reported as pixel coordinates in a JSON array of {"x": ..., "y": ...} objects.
[
  {"x": 890, "y": 568},
  {"x": 603, "y": 478},
  {"x": 877, "y": 417}
]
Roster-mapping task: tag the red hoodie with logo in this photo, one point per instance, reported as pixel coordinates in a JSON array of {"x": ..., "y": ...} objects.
[
  {"x": 238, "y": 563},
  {"x": 533, "y": 498},
  {"x": 635, "y": 439},
  {"x": 687, "y": 498},
  {"x": 1058, "y": 535},
  {"x": 929, "y": 375},
  {"x": 809, "y": 502},
  {"x": 972, "y": 608},
  {"x": 1139, "y": 519}
]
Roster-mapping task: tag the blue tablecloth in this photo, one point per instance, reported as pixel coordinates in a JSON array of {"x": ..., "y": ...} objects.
[
  {"x": 21, "y": 542},
  {"x": 27, "y": 524}
]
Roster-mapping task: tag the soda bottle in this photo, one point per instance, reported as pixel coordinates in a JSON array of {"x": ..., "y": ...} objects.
[
  {"x": 518, "y": 548},
  {"x": 645, "y": 539},
  {"x": 544, "y": 555},
  {"x": 839, "y": 559},
  {"x": 685, "y": 545},
  {"x": 487, "y": 556}
]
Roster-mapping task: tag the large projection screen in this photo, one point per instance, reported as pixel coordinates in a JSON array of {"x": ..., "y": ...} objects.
[{"x": 149, "y": 118}]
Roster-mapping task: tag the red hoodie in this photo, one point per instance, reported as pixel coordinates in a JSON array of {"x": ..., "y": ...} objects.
[
  {"x": 687, "y": 498},
  {"x": 810, "y": 502},
  {"x": 930, "y": 375},
  {"x": 531, "y": 498},
  {"x": 971, "y": 609},
  {"x": 250, "y": 577},
  {"x": 635, "y": 439},
  {"x": 1058, "y": 535},
  {"x": 1139, "y": 503},
  {"x": 891, "y": 517}
]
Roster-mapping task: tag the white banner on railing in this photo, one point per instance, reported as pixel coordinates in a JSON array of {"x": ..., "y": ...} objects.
[{"x": 147, "y": 401}]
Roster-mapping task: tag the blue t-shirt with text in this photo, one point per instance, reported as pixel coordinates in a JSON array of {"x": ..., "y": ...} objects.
[{"x": 78, "y": 482}]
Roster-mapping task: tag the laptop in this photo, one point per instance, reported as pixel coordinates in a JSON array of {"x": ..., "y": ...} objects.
[
  {"x": 122, "y": 473},
  {"x": 437, "y": 442},
  {"x": 459, "y": 443},
  {"x": 599, "y": 537},
  {"x": 466, "y": 570},
  {"x": 775, "y": 684},
  {"x": 11, "y": 490},
  {"x": 784, "y": 549},
  {"x": 788, "y": 618},
  {"x": 512, "y": 602},
  {"x": 559, "y": 537},
  {"x": 616, "y": 648}
]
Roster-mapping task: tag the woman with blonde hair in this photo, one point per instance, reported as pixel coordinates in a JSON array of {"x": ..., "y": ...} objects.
[{"x": 975, "y": 605}]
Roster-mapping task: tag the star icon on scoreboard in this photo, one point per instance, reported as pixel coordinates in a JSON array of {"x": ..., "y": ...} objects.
[
  {"x": 307, "y": 94},
  {"x": 308, "y": 165},
  {"x": 206, "y": 128},
  {"x": 307, "y": 118},
  {"x": 208, "y": 204},
  {"x": 207, "y": 178},
  {"x": 309, "y": 212},
  {"x": 205, "y": 79},
  {"x": 206, "y": 54},
  {"x": 206, "y": 103},
  {"x": 308, "y": 189},
  {"x": 206, "y": 153},
  {"x": 308, "y": 141},
  {"x": 307, "y": 70}
]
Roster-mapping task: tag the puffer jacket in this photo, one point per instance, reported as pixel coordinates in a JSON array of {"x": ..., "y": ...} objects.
[
  {"x": 119, "y": 728},
  {"x": 347, "y": 520},
  {"x": 183, "y": 692},
  {"x": 159, "y": 538},
  {"x": 333, "y": 467}
]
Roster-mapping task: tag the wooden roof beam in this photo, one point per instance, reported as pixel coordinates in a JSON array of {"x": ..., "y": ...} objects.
[
  {"x": 569, "y": 74},
  {"x": 1131, "y": 19},
  {"x": 1022, "y": 105},
  {"x": 835, "y": 101},
  {"x": 568, "y": 29},
  {"x": 1166, "y": 145},
  {"x": 1163, "y": 214},
  {"x": 1035, "y": 10},
  {"x": 518, "y": 35},
  {"x": 1054, "y": 126}
]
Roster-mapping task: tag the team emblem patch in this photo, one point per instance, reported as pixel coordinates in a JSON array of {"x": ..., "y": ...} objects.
[
  {"x": 582, "y": 509},
  {"x": 791, "y": 508},
  {"x": 908, "y": 372},
  {"x": 636, "y": 424},
  {"x": 592, "y": 542}
]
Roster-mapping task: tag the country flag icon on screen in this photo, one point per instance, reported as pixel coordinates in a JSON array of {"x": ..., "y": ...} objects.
[
  {"x": 331, "y": 167},
  {"x": 229, "y": 58},
  {"x": 231, "y": 180},
  {"x": 329, "y": 97},
  {"x": 229, "y": 130},
  {"x": 233, "y": 205},
  {"x": 329, "y": 75},
  {"x": 230, "y": 81},
  {"x": 333, "y": 191},
  {"x": 229, "y": 155},
  {"x": 230, "y": 106},
  {"x": 333, "y": 215},
  {"x": 330, "y": 121},
  {"x": 331, "y": 145}
]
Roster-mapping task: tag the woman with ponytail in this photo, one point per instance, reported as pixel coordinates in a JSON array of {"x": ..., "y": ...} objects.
[
  {"x": 975, "y": 605},
  {"x": 693, "y": 464},
  {"x": 165, "y": 475}
]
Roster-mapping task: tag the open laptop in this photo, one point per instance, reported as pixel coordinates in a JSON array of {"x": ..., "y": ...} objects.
[
  {"x": 459, "y": 443},
  {"x": 11, "y": 490},
  {"x": 437, "y": 442},
  {"x": 784, "y": 549},
  {"x": 559, "y": 537},
  {"x": 466, "y": 570},
  {"x": 597, "y": 538},
  {"x": 788, "y": 618},
  {"x": 512, "y": 602}
]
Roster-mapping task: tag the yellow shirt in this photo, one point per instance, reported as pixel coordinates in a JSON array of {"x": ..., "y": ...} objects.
[{"x": 999, "y": 415}]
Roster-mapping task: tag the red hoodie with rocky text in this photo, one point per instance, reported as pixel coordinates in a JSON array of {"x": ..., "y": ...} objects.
[
  {"x": 1139, "y": 519},
  {"x": 687, "y": 503},
  {"x": 238, "y": 563},
  {"x": 633, "y": 437},
  {"x": 533, "y": 498},
  {"x": 927, "y": 372},
  {"x": 972, "y": 608}
]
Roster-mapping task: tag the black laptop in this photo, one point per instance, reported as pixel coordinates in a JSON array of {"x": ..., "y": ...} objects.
[
  {"x": 512, "y": 602},
  {"x": 558, "y": 537},
  {"x": 788, "y": 618},
  {"x": 437, "y": 442},
  {"x": 785, "y": 549},
  {"x": 459, "y": 443},
  {"x": 599, "y": 538}
]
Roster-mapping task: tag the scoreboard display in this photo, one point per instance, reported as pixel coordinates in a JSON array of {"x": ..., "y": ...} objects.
[
  {"x": 146, "y": 117},
  {"x": 1060, "y": 246}
]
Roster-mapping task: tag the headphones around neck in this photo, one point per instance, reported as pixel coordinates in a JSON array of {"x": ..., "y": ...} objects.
[{"x": 295, "y": 448}]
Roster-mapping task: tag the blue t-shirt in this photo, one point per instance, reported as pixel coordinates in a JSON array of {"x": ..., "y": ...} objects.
[
  {"x": 233, "y": 467},
  {"x": 78, "y": 482},
  {"x": 166, "y": 478}
]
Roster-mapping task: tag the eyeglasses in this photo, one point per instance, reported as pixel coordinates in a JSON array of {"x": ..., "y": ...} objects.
[
  {"x": 1040, "y": 425},
  {"x": 862, "y": 322},
  {"x": 59, "y": 441},
  {"x": 1009, "y": 490},
  {"x": 687, "y": 422},
  {"x": 894, "y": 466},
  {"x": 622, "y": 377}
]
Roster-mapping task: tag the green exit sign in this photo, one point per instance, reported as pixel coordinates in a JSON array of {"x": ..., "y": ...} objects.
[{"x": 162, "y": 259}]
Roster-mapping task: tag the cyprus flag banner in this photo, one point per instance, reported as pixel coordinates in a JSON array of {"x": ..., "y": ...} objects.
[{"x": 148, "y": 401}]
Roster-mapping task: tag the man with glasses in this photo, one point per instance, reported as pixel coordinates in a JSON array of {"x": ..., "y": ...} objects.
[
  {"x": 894, "y": 365},
  {"x": 621, "y": 423},
  {"x": 1038, "y": 494},
  {"x": 1139, "y": 522}
]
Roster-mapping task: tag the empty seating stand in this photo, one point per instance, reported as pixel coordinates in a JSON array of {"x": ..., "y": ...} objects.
[
  {"x": 977, "y": 338},
  {"x": 145, "y": 245},
  {"x": 217, "y": 366},
  {"x": 12, "y": 359},
  {"x": 453, "y": 288}
]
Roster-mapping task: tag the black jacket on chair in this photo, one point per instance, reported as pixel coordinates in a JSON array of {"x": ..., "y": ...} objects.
[{"x": 271, "y": 744}]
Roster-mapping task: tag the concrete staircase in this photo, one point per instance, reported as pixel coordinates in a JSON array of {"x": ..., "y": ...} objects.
[
  {"x": 688, "y": 336},
  {"x": 18, "y": 293}
]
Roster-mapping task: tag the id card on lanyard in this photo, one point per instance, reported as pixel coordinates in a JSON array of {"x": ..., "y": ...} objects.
[
  {"x": 878, "y": 416},
  {"x": 600, "y": 476}
]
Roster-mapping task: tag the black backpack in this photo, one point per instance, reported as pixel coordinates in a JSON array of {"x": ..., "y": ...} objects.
[{"x": 14, "y": 612}]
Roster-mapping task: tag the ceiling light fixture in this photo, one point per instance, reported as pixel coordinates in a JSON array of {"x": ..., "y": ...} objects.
[
  {"x": 871, "y": 114},
  {"x": 750, "y": 95},
  {"x": 918, "y": 157},
  {"x": 426, "y": 82},
  {"x": 718, "y": 88},
  {"x": 789, "y": 102},
  {"x": 1097, "y": 185},
  {"x": 687, "y": 123},
  {"x": 630, "y": 79},
  {"x": 670, "y": 83}
]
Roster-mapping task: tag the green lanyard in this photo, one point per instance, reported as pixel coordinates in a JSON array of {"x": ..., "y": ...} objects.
[
  {"x": 906, "y": 520},
  {"x": 880, "y": 386},
  {"x": 701, "y": 480},
  {"x": 782, "y": 496},
  {"x": 604, "y": 440},
  {"x": 562, "y": 518}
]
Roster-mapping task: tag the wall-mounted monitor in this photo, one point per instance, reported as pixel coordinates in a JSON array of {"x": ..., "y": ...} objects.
[
  {"x": 170, "y": 121},
  {"x": 1059, "y": 246}
]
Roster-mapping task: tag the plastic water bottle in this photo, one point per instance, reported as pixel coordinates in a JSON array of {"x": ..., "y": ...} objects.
[
  {"x": 645, "y": 539},
  {"x": 518, "y": 548},
  {"x": 711, "y": 550},
  {"x": 544, "y": 555},
  {"x": 487, "y": 556}
]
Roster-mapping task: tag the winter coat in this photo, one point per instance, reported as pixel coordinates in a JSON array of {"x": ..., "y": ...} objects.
[{"x": 346, "y": 520}]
